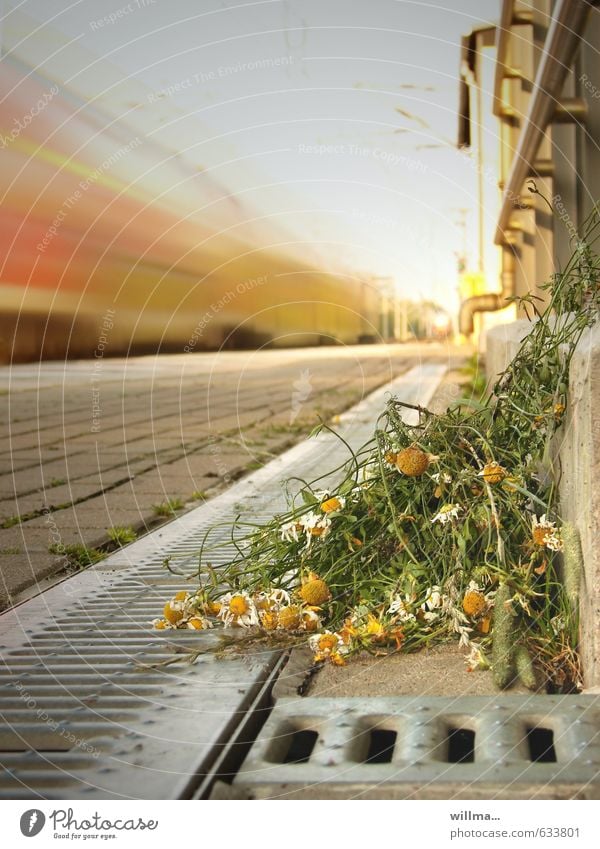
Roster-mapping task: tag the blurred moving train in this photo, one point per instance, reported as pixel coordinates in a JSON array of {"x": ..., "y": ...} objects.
[{"x": 111, "y": 242}]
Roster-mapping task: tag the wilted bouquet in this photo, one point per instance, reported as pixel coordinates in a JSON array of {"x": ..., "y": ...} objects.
[{"x": 442, "y": 529}]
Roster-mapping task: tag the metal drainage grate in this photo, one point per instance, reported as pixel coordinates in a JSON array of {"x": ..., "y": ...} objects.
[
  {"x": 405, "y": 747},
  {"x": 79, "y": 716}
]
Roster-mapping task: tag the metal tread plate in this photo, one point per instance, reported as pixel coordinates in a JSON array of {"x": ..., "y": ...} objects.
[
  {"x": 80, "y": 717},
  {"x": 436, "y": 747}
]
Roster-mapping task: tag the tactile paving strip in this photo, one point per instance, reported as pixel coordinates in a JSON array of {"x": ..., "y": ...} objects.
[
  {"x": 79, "y": 716},
  {"x": 406, "y": 747}
]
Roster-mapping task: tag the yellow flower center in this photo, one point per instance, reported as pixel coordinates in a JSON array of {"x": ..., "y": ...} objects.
[
  {"x": 196, "y": 624},
  {"x": 268, "y": 620},
  {"x": 331, "y": 505},
  {"x": 474, "y": 603},
  {"x": 311, "y": 623},
  {"x": 290, "y": 618},
  {"x": 238, "y": 605},
  {"x": 493, "y": 473},
  {"x": 539, "y": 534},
  {"x": 327, "y": 642},
  {"x": 374, "y": 628},
  {"x": 315, "y": 592},
  {"x": 412, "y": 461},
  {"x": 172, "y": 616}
]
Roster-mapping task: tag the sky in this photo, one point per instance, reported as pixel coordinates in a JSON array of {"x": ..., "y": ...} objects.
[{"x": 335, "y": 121}]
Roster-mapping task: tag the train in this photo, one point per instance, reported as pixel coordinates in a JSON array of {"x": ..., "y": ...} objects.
[{"x": 112, "y": 242}]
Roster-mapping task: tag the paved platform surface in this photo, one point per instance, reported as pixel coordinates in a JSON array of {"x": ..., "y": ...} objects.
[
  {"x": 438, "y": 671},
  {"x": 92, "y": 445}
]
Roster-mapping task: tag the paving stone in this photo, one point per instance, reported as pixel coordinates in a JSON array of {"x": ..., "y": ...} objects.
[
  {"x": 25, "y": 538},
  {"x": 18, "y": 573}
]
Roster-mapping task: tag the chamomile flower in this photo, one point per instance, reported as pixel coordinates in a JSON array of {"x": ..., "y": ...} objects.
[
  {"x": 558, "y": 625},
  {"x": 328, "y": 646},
  {"x": 314, "y": 591},
  {"x": 271, "y": 600},
  {"x": 162, "y": 625},
  {"x": 493, "y": 472},
  {"x": 238, "y": 609},
  {"x": 331, "y": 506},
  {"x": 311, "y": 621},
  {"x": 369, "y": 471},
  {"x": 289, "y": 531},
  {"x": 433, "y": 599},
  {"x": 432, "y": 605},
  {"x": 474, "y": 602},
  {"x": 476, "y": 659},
  {"x": 402, "y": 608},
  {"x": 545, "y": 533},
  {"x": 412, "y": 461},
  {"x": 198, "y": 623},
  {"x": 176, "y": 608},
  {"x": 290, "y": 618},
  {"x": 447, "y": 513},
  {"x": 314, "y": 525}
]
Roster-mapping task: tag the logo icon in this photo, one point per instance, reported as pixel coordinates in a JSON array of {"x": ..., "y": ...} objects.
[{"x": 32, "y": 822}]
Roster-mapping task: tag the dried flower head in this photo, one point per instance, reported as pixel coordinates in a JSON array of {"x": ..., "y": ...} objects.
[
  {"x": 314, "y": 591},
  {"x": 412, "y": 461},
  {"x": 545, "y": 533},
  {"x": 493, "y": 473},
  {"x": 474, "y": 603},
  {"x": 290, "y": 618}
]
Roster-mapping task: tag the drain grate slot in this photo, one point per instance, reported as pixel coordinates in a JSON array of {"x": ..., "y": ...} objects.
[
  {"x": 540, "y": 744},
  {"x": 300, "y": 746},
  {"x": 461, "y": 746},
  {"x": 382, "y": 742}
]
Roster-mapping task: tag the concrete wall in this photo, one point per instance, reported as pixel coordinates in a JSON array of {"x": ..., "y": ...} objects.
[{"x": 578, "y": 451}]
